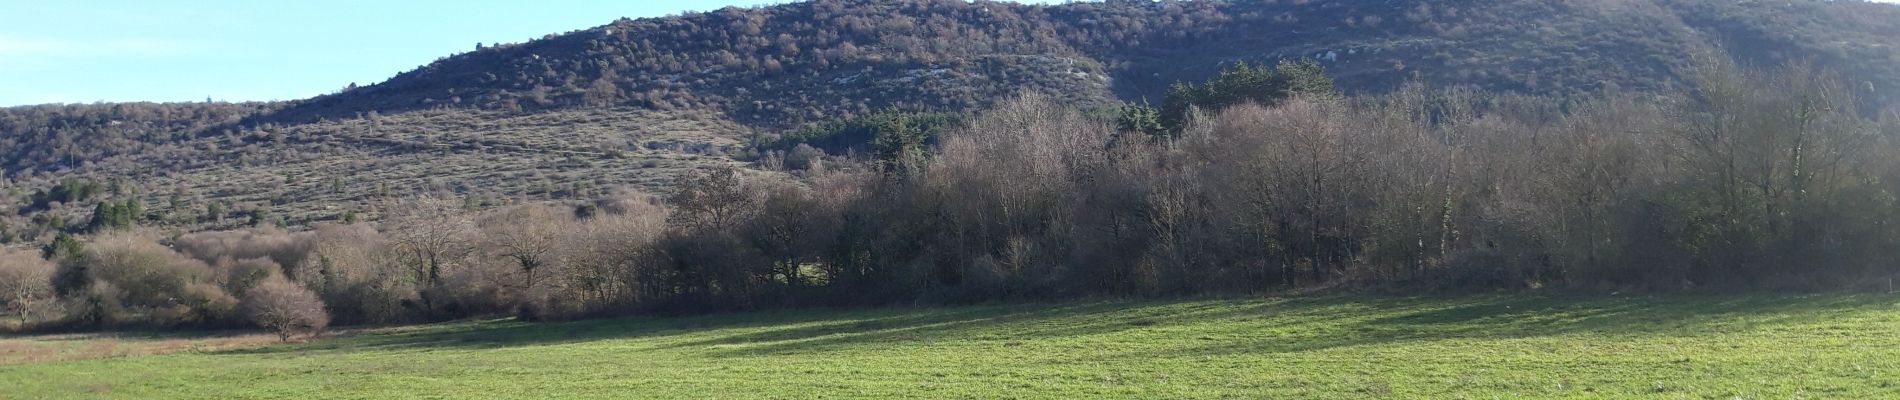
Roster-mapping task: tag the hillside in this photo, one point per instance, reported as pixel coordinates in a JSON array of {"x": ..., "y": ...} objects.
[
  {"x": 626, "y": 105},
  {"x": 299, "y": 174},
  {"x": 785, "y": 65},
  {"x": 1352, "y": 347}
]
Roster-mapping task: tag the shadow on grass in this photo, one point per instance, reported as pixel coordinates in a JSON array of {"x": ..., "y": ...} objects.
[
  {"x": 748, "y": 328},
  {"x": 1508, "y": 317},
  {"x": 1223, "y": 326}
]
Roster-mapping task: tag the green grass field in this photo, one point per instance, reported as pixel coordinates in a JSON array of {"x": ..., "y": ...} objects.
[{"x": 1822, "y": 346}]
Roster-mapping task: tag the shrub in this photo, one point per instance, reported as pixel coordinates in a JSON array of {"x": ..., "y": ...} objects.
[
  {"x": 155, "y": 284},
  {"x": 238, "y": 277},
  {"x": 201, "y": 303},
  {"x": 285, "y": 308},
  {"x": 276, "y": 245},
  {"x": 99, "y": 305}
]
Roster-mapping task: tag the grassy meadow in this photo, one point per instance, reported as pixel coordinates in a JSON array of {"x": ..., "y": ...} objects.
[{"x": 1488, "y": 346}]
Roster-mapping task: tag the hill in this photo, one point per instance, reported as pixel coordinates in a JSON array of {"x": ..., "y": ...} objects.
[
  {"x": 626, "y": 105},
  {"x": 298, "y": 174},
  {"x": 1761, "y": 346},
  {"x": 786, "y": 65}
]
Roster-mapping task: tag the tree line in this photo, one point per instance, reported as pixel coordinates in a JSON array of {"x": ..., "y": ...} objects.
[{"x": 1750, "y": 180}]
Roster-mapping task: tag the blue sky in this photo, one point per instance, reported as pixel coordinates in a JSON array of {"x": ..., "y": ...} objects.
[{"x": 65, "y": 51}]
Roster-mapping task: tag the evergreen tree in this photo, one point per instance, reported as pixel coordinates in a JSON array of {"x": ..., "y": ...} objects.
[
  {"x": 1141, "y": 119},
  {"x": 261, "y": 216},
  {"x": 1306, "y": 77},
  {"x": 214, "y": 211},
  {"x": 133, "y": 211},
  {"x": 1246, "y": 83},
  {"x": 1174, "y": 109},
  {"x": 65, "y": 245},
  {"x": 898, "y": 145},
  {"x": 103, "y": 214},
  {"x": 109, "y": 215},
  {"x": 71, "y": 277}
]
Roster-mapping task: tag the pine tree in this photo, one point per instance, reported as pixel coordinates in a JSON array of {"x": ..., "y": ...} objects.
[
  {"x": 65, "y": 245},
  {"x": 1141, "y": 119},
  {"x": 108, "y": 215},
  {"x": 1245, "y": 83},
  {"x": 1306, "y": 77},
  {"x": 898, "y": 145},
  {"x": 214, "y": 211},
  {"x": 71, "y": 277}
]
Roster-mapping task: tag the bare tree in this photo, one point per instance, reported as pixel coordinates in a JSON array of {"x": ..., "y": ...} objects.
[
  {"x": 1312, "y": 169},
  {"x": 528, "y": 236},
  {"x": 607, "y": 259},
  {"x": 712, "y": 199},
  {"x": 788, "y": 230},
  {"x": 1771, "y": 152},
  {"x": 26, "y": 283},
  {"x": 359, "y": 274},
  {"x": 435, "y": 233},
  {"x": 1007, "y": 180},
  {"x": 1600, "y": 156},
  {"x": 285, "y": 308}
]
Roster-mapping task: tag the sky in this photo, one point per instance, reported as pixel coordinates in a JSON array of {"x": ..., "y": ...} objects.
[{"x": 83, "y": 51}]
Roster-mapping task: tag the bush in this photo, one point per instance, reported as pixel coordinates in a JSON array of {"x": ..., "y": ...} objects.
[
  {"x": 238, "y": 277},
  {"x": 276, "y": 245},
  {"x": 285, "y": 308},
  {"x": 99, "y": 306},
  {"x": 201, "y": 304},
  {"x": 167, "y": 288}
]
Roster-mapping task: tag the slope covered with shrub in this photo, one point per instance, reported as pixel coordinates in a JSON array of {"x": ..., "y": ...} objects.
[{"x": 787, "y": 65}]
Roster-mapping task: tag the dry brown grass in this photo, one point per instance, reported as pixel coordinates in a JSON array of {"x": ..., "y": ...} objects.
[{"x": 16, "y": 350}]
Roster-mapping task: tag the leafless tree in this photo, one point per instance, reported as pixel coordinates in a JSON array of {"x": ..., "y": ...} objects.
[
  {"x": 285, "y": 308},
  {"x": 610, "y": 260},
  {"x": 713, "y": 199},
  {"x": 1010, "y": 177},
  {"x": 1770, "y": 147},
  {"x": 784, "y": 230},
  {"x": 435, "y": 233},
  {"x": 26, "y": 283},
  {"x": 528, "y": 237},
  {"x": 359, "y": 273}
]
